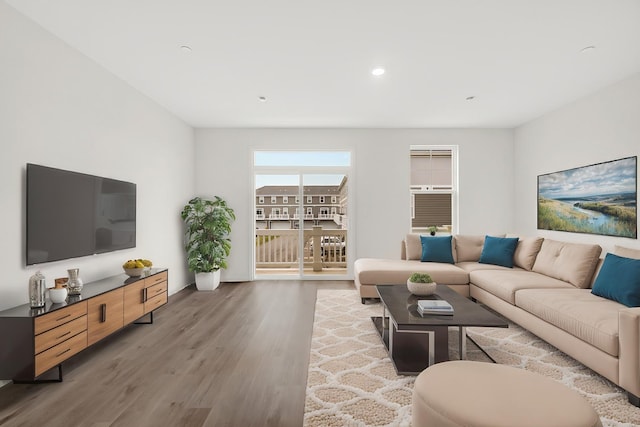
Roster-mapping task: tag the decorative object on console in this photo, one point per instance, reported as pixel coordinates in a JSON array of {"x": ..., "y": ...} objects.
[
  {"x": 595, "y": 199},
  {"x": 436, "y": 249},
  {"x": 135, "y": 268},
  {"x": 433, "y": 230},
  {"x": 58, "y": 294},
  {"x": 421, "y": 284},
  {"x": 37, "y": 288},
  {"x": 74, "y": 285},
  {"x": 207, "y": 239}
]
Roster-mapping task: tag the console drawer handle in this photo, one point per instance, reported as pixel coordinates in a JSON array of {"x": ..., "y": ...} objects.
[
  {"x": 103, "y": 313},
  {"x": 64, "y": 335},
  {"x": 63, "y": 317},
  {"x": 66, "y": 351}
]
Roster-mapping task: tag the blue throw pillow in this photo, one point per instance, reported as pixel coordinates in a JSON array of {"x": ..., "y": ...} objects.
[
  {"x": 436, "y": 249},
  {"x": 498, "y": 251},
  {"x": 619, "y": 280}
]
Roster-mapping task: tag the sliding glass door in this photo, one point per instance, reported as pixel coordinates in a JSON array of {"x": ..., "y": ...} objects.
[{"x": 301, "y": 220}]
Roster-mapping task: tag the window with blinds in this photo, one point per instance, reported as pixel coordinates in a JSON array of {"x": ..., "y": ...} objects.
[
  {"x": 431, "y": 209},
  {"x": 432, "y": 187}
]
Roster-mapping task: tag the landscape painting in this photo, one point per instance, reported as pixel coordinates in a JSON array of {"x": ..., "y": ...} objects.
[{"x": 595, "y": 199}]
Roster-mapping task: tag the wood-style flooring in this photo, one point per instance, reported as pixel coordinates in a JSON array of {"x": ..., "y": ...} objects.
[{"x": 237, "y": 356}]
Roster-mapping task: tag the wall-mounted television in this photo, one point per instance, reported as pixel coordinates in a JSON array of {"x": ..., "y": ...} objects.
[{"x": 71, "y": 214}]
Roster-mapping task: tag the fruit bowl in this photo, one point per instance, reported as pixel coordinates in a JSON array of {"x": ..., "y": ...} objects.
[{"x": 133, "y": 272}]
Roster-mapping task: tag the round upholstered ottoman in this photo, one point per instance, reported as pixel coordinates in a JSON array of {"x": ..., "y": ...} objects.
[{"x": 478, "y": 394}]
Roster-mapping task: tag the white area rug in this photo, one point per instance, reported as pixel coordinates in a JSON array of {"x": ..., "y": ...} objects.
[{"x": 351, "y": 380}]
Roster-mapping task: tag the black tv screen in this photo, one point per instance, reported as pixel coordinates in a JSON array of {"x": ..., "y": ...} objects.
[{"x": 71, "y": 214}]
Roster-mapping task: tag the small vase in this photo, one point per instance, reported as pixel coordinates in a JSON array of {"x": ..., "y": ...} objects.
[
  {"x": 37, "y": 288},
  {"x": 58, "y": 295},
  {"x": 74, "y": 285}
]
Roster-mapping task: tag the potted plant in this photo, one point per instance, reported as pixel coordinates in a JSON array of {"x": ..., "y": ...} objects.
[
  {"x": 421, "y": 284},
  {"x": 432, "y": 230},
  {"x": 207, "y": 239}
]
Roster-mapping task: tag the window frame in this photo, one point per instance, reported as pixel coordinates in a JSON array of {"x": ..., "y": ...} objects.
[{"x": 453, "y": 189}]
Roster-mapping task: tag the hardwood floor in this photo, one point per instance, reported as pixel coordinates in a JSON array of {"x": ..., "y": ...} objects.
[{"x": 237, "y": 356}]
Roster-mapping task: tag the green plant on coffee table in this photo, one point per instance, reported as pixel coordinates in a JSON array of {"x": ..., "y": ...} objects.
[{"x": 420, "y": 278}]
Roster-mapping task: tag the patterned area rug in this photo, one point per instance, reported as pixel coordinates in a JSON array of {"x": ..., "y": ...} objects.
[{"x": 351, "y": 381}]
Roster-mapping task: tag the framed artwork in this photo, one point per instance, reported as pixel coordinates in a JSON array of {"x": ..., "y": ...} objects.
[{"x": 595, "y": 199}]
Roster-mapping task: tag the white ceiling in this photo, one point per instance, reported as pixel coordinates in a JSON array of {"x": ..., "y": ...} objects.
[{"x": 312, "y": 60}]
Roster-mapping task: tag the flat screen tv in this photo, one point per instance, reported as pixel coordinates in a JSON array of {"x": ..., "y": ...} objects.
[{"x": 71, "y": 214}]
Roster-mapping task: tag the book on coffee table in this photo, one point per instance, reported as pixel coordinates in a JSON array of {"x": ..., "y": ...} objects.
[{"x": 434, "y": 307}]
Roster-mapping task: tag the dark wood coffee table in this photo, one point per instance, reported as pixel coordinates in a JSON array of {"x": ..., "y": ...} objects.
[{"x": 416, "y": 342}]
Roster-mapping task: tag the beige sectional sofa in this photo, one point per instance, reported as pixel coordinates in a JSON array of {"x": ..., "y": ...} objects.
[{"x": 548, "y": 292}]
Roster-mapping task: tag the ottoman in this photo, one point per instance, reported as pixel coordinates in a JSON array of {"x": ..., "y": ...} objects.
[{"x": 466, "y": 393}]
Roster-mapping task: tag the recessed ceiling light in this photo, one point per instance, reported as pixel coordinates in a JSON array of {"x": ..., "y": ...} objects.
[
  {"x": 470, "y": 98},
  {"x": 185, "y": 48},
  {"x": 262, "y": 98},
  {"x": 378, "y": 71},
  {"x": 587, "y": 49}
]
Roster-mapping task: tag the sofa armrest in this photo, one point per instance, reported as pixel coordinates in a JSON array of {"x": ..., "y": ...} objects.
[{"x": 629, "y": 375}]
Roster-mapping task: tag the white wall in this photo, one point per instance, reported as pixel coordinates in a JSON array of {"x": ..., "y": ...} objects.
[
  {"x": 600, "y": 127},
  {"x": 381, "y": 159},
  {"x": 60, "y": 109}
]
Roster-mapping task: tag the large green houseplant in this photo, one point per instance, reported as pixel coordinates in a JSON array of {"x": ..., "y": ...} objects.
[{"x": 208, "y": 225}]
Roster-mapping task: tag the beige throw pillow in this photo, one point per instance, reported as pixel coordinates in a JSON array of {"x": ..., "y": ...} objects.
[
  {"x": 527, "y": 251},
  {"x": 468, "y": 248},
  {"x": 413, "y": 246},
  {"x": 571, "y": 262}
]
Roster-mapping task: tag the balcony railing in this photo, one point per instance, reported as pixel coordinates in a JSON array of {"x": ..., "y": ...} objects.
[
  {"x": 320, "y": 248},
  {"x": 305, "y": 216},
  {"x": 278, "y": 216}
]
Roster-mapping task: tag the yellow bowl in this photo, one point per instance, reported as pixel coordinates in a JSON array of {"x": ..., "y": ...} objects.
[{"x": 133, "y": 272}]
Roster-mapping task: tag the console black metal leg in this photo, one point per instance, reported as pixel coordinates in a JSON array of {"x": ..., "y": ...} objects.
[
  {"x": 150, "y": 322},
  {"x": 633, "y": 399},
  {"x": 37, "y": 381},
  {"x": 363, "y": 300}
]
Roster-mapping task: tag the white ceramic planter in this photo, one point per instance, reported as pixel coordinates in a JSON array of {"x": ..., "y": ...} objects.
[
  {"x": 208, "y": 281},
  {"x": 421, "y": 289},
  {"x": 58, "y": 295}
]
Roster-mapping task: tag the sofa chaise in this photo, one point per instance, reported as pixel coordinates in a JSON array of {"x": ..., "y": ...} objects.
[{"x": 548, "y": 291}]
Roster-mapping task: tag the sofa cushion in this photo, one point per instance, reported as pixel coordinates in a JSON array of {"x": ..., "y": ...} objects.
[
  {"x": 571, "y": 262},
  {"x": 468, "y": 248},
  {"x": 372, "y": 271},
  {"x": 498, "y": 251},
  {"x": 626, "y": 252},
  {"x": 436, "y": 249},
  {"x": 413, "y": 246},
  {"x": 473, "y": 266},
  {"x": 527, "y": 251},
  {"x": 619, "y": 280},
  {"x": 504, "y": 283},
  {"x": 591, "y": 318}
]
